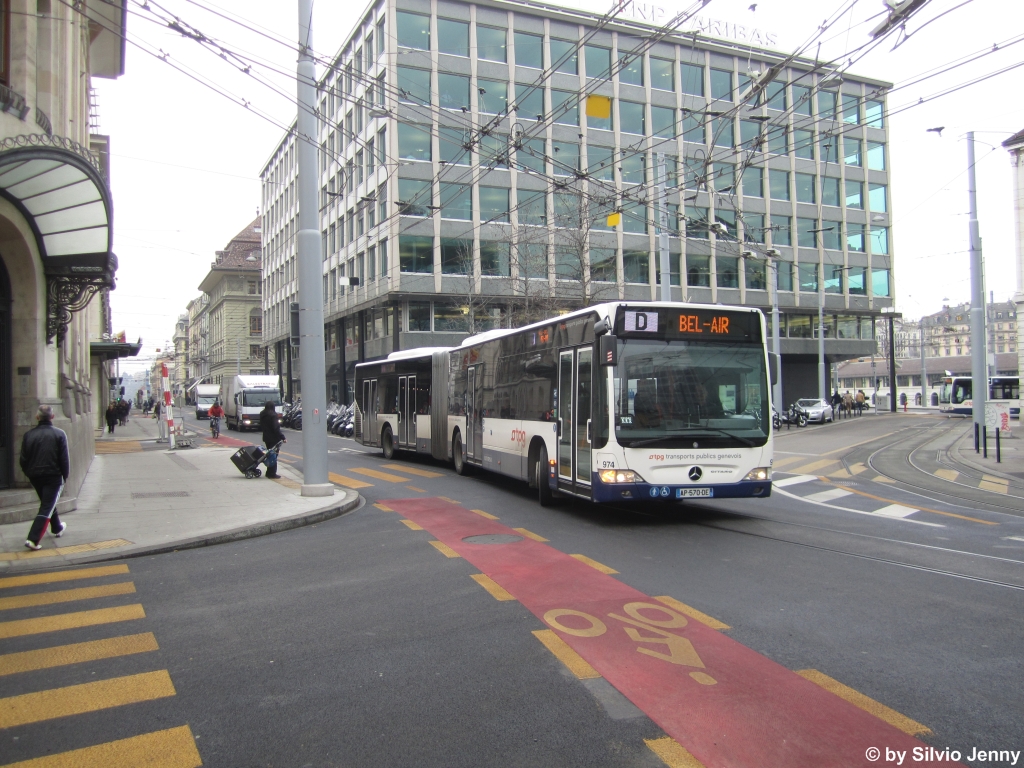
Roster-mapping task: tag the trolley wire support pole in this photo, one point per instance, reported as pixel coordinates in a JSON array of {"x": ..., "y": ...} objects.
[
  {"x": 776, "y": 348},
  {"x": 664, "y": 260},
  {"x": 892, "y": 362},
  {"x": 979, "y": 333},
  {"x": 310, "y": 270},
  {"x": 999, "y": 455},
  {"x": 168, "y": 414}
]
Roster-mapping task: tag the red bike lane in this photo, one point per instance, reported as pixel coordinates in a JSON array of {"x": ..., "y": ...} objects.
[{"x": 728, "y": 705}]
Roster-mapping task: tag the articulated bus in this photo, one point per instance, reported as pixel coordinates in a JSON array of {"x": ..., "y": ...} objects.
[
  {"x": 957, "y": 393},
  {"x": 625, "y": 401}
]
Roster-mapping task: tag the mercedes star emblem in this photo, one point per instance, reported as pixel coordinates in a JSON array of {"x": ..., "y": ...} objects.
[{"x": 694, "y": 474}]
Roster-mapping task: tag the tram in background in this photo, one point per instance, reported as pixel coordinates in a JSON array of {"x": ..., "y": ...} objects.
[
  {"x": 624, "y": 401},
  {"x": 957, "y": 393}
]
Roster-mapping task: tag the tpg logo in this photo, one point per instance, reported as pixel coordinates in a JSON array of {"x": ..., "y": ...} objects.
[{"x": 519, "y": 436}]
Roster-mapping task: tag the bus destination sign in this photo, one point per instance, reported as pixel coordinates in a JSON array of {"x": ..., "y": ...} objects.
[{"x": 691, "y": 324}]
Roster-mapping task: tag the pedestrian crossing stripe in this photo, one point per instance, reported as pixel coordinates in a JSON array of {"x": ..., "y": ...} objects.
[
  {"x": 378, "y": 475},
  {"x": 76, "y": 653},
  {"x": 173, "y": 748},
  {"x": 72, "y": 550},
  {"x": 62, "y": 621},
  {"x": 793, "y": 480},
  {"x": 66, "y": 595},
  {"x": 85, "y": 697},
  {"x": 347, "y": 482},
  {"x": 54, "y": 576},
  {"x": 818, "y": 467},
  {"x": 830, "y": 495},
  {"x": 412, "y": 470}
]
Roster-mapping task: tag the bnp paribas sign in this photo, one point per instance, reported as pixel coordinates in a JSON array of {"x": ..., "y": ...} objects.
[{"x": 659, "y": 15}]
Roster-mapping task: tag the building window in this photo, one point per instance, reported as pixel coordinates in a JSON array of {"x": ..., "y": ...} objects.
[
  {"x": 851, "y": 108},
  {"x": 876, "y": 156},
  {"x": 785, "y": 270},
  {"x": 828, "y": 103},
  {"x": 880, "y": 241},
  {"x": 413, "y": 30},
  {"x": 806, "y": 235},
  {"x": 751, "y": 135},
  {"x": 493, "y": 204},
  {"x": 598, "y": 61},
  {"x": 663, "y": 122},
  {"x": 529, "y": 50},
  {"x": 636, "y": 266},
  {"x": 492, "y": 96},
  {"x": 721, "y": 84},
  {"x": 419, "y": 316},
  {"x": 754, "y": 274},
  {"x": 803, "y": 143},
  {"x": 453, "y": 37},
  {"x": 877, "y": 198},
  {"x": 830, "y": 191},
  {"x": 808, "y": 277},
  {"x": 565, "y": 107},
  {"x": 851, "y": 151},
  {"x": 778, "y": 182},
  {"x": 727, "y": 272},
  {"x": 494, "y": 259},
  {"x": 565, "y": 56},
  {"x": 778, "y": 140},
  {"x": 452, "y": 91},
  {"x": 631, "y": 71},
  {"x": 662, "y": 74},
  {"x": 776, "y": 95},
  {"x": 873, "y": 113},
  {"x": 255, "y": 352},
  {"x": 698, "y": 271},
  {"x": 753, "y": 182},
  {"x": 805, "y": 192},
  {"x": 416, "y": 253},
  {"x": 723, "y": 134},
  {"x": 880, "y": 283},
  {"x": 414, "y": 198},
  {"x": 692, "y": 78},
  {"x": 456, "y": 201},
  {"x": 491, "y": 44},
  {"x": 602, "y": 264},
  {"x": 413, "y": 87},
  {"x": 256, "y": 322},
  {"x": 854, "y": 194},
  {"x": 781, "y": 230},
  {"x": 413, "y": 143},
  {"x": 456, "y": 256},
  {"x": 253, "y": 287}
]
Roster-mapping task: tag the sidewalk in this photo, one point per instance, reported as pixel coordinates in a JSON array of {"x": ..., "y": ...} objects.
[
  {"x": 140, "y": 498},
  {"x": 1011, "y": 449}
]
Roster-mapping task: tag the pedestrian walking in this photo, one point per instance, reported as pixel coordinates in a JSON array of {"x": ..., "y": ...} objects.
[
  {"x": 272, "y": 435},
  {"x": 47, "y": 464},
  {"x": 837, "y": 401},
  {"x": 111, "y": 417}
]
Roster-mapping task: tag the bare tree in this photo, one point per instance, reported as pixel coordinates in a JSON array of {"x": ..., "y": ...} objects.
[
  {"x": 577, "y": 213},
  {"x": 460, "y": 267}
]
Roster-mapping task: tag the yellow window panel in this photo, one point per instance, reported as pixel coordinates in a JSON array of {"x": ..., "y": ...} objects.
[{"x": 599, "y": 106}]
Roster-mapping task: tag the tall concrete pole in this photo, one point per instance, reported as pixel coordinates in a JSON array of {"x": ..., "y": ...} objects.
[
  {"x": 924, "y": 366},
  {"x": 979, "y": 334},
  {"x": 776, "y": 347},
  {"x": 822, "y": 391},
  {"x": 310, "y": 272},
  {"x": 664, "y": 259}
]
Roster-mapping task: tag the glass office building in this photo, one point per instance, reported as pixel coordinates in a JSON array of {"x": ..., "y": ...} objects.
[{"x": 480, "y": 162}]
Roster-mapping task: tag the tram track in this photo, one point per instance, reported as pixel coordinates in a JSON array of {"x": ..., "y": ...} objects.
[
  {"x": 987, "y": 561},
  {"x": 931, "y": 492}
]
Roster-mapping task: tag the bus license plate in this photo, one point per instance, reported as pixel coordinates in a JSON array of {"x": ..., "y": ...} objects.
[{"x": 694, "y": 493}]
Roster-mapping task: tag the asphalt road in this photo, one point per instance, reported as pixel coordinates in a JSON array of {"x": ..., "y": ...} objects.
[{"x": 357, "y": 643}]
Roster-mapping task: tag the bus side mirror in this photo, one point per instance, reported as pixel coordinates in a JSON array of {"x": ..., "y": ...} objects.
[
  {"x": 608, "y": 350},
  {"x": 773, "y": 367}
]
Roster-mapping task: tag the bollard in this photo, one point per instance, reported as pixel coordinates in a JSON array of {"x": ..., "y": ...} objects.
[
  {"x": 999, "y": 456},
  {"x": 975, "y": 437},
  {"x": 984, "y": 441}
]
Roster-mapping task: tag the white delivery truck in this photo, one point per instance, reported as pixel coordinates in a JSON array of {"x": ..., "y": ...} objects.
[
  {"x": 206, "y": 395},
  {"x": 244, "y": 398}
]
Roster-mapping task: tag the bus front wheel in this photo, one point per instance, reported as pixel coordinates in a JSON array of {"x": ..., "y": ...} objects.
[
  {"x": 387, "y": 443},
  {"x": 461, "y": 468},
  {"x": 544, "y": 495}
]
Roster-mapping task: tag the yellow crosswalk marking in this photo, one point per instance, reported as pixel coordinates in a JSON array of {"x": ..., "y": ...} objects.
[
  {"x": 444, "y": 549},
  {"x": 173, "y": 748},
  {"x": 858, "y": 699},
  {"x": 414, "y": 488},
  {"x": 856, "y": 469},
  {"x": 62, "y": 655},
  {"x": 378, "y": 475},
  {"x": 30, "y": 555},
  {"x": 70, "y": 621},
  {"x": 412, "y": 526},
  {"x": 816, "y": 467},
  {"x": 672, "y": 753},
  {"x": 347, "y": 482},
  {"x": 947, "y": 474},
  {"x": 450, "y": 501},
  {"x": 693, "y": 613},
  {"x": 988, "y": 485},
  {"x": 997, "y": 480},
  {"x": 561, "y": 651},
  {"x": 488, "y": 515},
  {"x": 49, "y": 578},
  {"x": 87, "y": 697},
  {"x": 530, "y": 534},
  {"x": 286, "y": 482},
  {"x": 413, "y": 470},
  {"x": 594, "y": 564},
  {"x": 493, "y": 588},
  {"x": 118, "y": 446},
  {"x": 66, "y": 595},
  {"x": 382, "y": 507},
  {"x": 787, "y": 460}
]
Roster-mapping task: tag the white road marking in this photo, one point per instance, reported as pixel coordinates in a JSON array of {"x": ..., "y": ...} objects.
[
  {"x": 857, "y": 511},
  {"x": 895, "y": 510},
  {"x": 793, "y": 480},
  {"x": 830, "y": 495}
]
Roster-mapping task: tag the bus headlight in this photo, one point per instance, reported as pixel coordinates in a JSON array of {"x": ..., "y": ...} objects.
[
  {"x": 611, "y": 476},
  {"x": 761, "y": 473}
]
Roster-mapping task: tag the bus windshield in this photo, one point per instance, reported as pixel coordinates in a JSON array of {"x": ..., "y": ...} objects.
[
  {"x": 675, "y": 393},
  {"x": 253, "y": 398}
]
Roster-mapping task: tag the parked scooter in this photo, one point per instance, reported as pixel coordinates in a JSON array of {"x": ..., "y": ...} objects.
[
  {"x": 776, "y": 419},
  {"x": 795, "y": 415}
]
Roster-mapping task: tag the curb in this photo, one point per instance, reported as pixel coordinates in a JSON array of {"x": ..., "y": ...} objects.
[
  {"x": 349, "y": 503},
  {"x": 958, "y": 458}
]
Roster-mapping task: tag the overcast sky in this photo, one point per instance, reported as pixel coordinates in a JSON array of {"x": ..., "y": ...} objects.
[{"x": 186, "y": 160}]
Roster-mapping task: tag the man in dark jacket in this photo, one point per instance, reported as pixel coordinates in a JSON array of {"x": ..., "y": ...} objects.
[
  {"x": 47, "y": 464},
  {"x": 271, "y": 436}
]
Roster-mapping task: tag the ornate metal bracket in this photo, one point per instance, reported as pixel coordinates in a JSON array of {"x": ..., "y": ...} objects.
[{"x": 65, "y": 295}]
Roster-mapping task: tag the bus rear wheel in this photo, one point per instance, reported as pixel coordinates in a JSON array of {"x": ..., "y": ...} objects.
[
  {"x": 387, "y": 443},
  {"x": 461, "y": 468},
  {"x": 544, "y": 495}
]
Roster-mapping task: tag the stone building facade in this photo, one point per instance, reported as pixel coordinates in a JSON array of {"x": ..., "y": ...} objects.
[
  {"x": 235, "y": 310},
  {"x": 56, "y": 262}
]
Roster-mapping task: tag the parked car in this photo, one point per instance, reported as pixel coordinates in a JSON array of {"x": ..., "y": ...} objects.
[{"x": 819, "y": 411}]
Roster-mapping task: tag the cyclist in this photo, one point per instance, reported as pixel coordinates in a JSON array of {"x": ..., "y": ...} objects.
[{"x": 215, "y": 413}]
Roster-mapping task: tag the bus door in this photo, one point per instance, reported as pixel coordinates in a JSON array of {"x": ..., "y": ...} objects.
[
  {"x": 370, "y": 435},
  {"x": 474, "y": 420},
  {"x": 575, "y": 395},
  {"x": 406, "y": 410}
]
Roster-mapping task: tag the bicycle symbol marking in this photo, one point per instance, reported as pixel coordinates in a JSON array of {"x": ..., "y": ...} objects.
[{"x": 677, "y": 650}]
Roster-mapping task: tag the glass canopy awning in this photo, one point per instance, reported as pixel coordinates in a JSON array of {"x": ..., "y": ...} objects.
[{"x": 56, "y": 184}]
